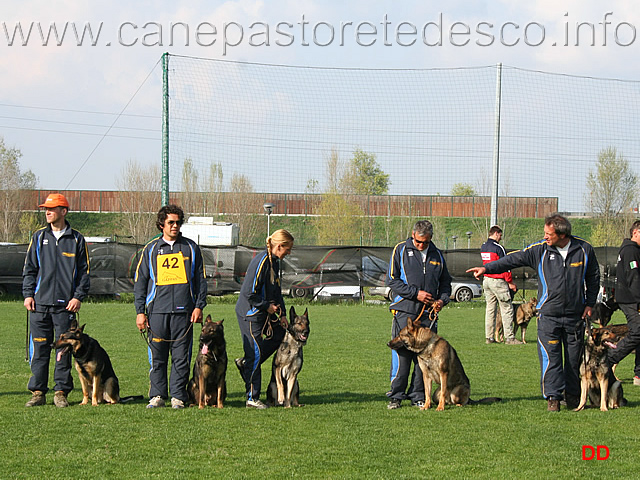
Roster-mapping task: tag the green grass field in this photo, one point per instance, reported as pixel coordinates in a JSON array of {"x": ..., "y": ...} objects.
[{"x": 343, "y": 431}]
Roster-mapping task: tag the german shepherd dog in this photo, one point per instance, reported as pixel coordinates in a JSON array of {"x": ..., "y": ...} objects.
[
  {"x": 94, "y": 367},
  {"x": 619, "y": 331},
  {"x": 524, "y": 312},
  {"x": 208, "y": 385},
  {"x": 602, "y": 311},
  {"x": 596, "y": 374},
  {"x": 287, "y": 362},
  {"x": 439, "y": 363}
]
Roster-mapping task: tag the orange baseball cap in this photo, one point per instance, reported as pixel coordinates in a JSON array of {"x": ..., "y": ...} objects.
[{"x": 55, "y": 200}]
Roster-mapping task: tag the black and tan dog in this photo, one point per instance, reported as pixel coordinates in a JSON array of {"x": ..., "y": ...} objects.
[
  {"x": 602, "y": 311},
  {"x": 439, "y": 363},
  {"x": 619, "y": 331},
  {"x": 523, "y": 313},
  {"x": 94, "y": 367},
  {"x": 596, "y": 376},
  {"x": 287, "y": 362},
  {"x": 209, "y": 385}
]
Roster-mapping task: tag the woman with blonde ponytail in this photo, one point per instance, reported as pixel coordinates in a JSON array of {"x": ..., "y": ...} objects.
[{"x": 261, "y": 313}]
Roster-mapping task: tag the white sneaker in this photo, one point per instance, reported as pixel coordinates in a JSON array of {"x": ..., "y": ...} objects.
[
  {"x": 177, "y": 403},
  {"x": 156, "y": 402},
  {"x": 256, "y": 404}
]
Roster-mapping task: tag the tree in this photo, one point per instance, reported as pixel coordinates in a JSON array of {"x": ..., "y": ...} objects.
[
  {"x": 250, "y": 225},
  {"x": 139, "y": 187},
  {"x": 364, "y": 175},
  {"x": 14, "y": 196},
  {"x": 463, "y": 190},
  {"x": 612, "y": 196},
  {"x": 190, "y": 198},
  {"x": 339, "y": 217},
  {"x": 214, "y": 190}
]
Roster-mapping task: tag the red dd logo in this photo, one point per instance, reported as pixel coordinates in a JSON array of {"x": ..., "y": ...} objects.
[{"x": 601, "y": 452}]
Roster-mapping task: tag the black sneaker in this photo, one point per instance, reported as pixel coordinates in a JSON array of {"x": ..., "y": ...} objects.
[{"x": 394, "y": 404}]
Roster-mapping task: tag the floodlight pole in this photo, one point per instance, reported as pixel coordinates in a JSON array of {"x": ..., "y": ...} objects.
[
  {"x": 496, "y": 149},
  {"x": 268, "y": 208},
  {"x": 165, "y": 129}
]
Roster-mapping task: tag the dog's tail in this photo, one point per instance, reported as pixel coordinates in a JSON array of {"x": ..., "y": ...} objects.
[
  {"x": 130, "y": 398},
  {"x": 485, "y": 401}
]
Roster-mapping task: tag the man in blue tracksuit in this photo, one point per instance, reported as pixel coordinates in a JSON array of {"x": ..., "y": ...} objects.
[
  {"x": 417, "y": 276},
  {"x": 55, "y": 282},
  {"x": 568, "y": 283},
  {"x": 170, "y": 293}
]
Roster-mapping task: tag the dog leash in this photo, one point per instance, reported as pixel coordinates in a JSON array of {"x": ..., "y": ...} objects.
[
  {"x": 433, "y": 315},
  {"x": 146, "y": 331},
  {"x": 267, "y": 328}
]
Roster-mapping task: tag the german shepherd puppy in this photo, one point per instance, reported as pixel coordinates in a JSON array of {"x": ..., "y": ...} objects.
[
  {"x": 602, "y": 311},
  {"x": 209, "y": 385},
  {"x": 93, "y": 364},
  {"x": 523, "y": 313},
  {"x": 596, "y": 374},
  {"x": 439, "y": 363},
  {"x": 287, "y": 362}
]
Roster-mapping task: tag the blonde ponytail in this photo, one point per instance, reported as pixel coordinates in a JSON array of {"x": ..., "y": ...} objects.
[{"x": 279, "y": 237}]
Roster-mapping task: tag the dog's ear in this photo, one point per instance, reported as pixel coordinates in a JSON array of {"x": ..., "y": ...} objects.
[
  {"x": 306, "y": 313},
  {"x": 74, "y": 324},
  {"x": 292, "y": 312},
  {"x": 82, "y": 328},
  {"x": 208, "y": 318}
]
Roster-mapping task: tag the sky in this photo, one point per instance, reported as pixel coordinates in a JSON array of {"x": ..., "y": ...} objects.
[{"x": 79, "y": 108}]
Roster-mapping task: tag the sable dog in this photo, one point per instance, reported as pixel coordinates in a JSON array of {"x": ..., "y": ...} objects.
[
  {"x": 602, "y": 311},
  {"x": 596, "y": 375},
  {"x": 524, "y": 312},
  {"x": 94, "y": 367},
  {"x": 287, "y": 362},
  {"x": 439, "y": 363},
  {"x": 208, "y": 385}
]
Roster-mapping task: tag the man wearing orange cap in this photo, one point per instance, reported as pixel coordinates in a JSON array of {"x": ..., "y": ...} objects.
[{"x": 55, "y": 282}]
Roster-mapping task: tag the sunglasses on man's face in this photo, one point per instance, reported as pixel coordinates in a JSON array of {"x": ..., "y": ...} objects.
[
  {"x": 421, "y": 242},
  {"x": 173, "y": 222}
]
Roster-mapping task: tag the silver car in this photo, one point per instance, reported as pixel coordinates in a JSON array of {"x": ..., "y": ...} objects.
[{"x": 460, "y": 291}]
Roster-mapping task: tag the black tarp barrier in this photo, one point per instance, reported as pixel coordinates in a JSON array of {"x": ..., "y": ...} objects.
[{"x": 305, "y": 270}]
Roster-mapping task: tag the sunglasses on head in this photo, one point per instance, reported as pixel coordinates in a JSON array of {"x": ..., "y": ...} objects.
[{"x": 172, "y": 222}]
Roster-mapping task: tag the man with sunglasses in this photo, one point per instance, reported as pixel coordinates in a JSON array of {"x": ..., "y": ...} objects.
[
  {"x": 170, "y": 293},
  {"x": 421, "y": 286}
]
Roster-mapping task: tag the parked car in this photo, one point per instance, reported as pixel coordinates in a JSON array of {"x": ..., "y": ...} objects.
[{"x": 460, "y": 291}]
